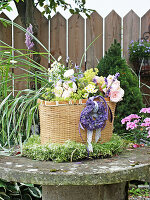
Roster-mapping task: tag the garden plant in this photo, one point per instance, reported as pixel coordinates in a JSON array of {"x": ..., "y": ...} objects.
[{"x": 132, "y": 101}]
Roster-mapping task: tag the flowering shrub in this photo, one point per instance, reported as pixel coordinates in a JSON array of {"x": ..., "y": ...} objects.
[
  {"x": 67, "y": 84},
  {"x": 139, "y": 50},
  {"x": 139, "y": 125}
]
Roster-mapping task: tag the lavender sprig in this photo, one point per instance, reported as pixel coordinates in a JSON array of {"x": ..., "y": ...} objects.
[{"x": 29, "y": 38}]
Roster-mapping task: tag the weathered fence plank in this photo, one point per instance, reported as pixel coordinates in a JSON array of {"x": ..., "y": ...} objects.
[
  {"x": 42, "y": 23},
  {"x": 112, "y": 29},
  {"x": 131, "y": 30},
  {"x": 58, "y": 36},
  {"x": 94, "y": 29},
  {"x": 76, "y": 38},
  {"x": 145, "y": 23},
  {"x": 19, "y": 43},
  {"x": 145, "y": 27},
  {"x": 5, "y": 32}
]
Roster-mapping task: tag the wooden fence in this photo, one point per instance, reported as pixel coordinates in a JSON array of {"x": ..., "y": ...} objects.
[{"x": 71, "y": 37}]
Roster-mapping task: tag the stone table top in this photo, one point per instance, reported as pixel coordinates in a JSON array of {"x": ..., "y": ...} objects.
[{"x": 132, "y": 164}]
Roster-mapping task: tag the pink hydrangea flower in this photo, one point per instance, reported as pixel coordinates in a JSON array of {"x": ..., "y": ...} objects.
[
  {"x": 147, "y": 119},
  {"x": 145, "y": 110},
  {"x": 146, "y": 124},
  {"x": 148, "y": 134},
  {"x": 129, "y": 118},
  {"x": 131, "y": 125}
]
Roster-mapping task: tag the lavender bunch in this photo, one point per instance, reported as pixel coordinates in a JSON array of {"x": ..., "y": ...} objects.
[{"x": 28, "y": 40}]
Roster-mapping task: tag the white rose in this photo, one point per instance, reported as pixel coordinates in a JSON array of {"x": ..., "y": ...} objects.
[
  {"x": 58, "y": 91},
  {"x": 70, "y": 85},
  {"x": 69, "y": 73},
  {"x": 66, "y": 94},
  {"x": 66, "y": 85}
]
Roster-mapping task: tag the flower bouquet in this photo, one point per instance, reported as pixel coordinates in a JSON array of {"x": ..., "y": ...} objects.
[{"x": 78, "y": 103}]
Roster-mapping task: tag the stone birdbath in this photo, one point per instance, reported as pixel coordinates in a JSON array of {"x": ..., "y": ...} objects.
[{"x": 100, "y": 179}]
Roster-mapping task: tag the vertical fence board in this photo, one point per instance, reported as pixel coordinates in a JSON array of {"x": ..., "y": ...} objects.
[
  {"x": 58, "y": 36},
  {"x": 5, "y": 32},
  {"x": 131, "y": 30},
  {"x": 76, "y": 38},
  {"x": 145, "y": 23},
  {"x": 112, "y": 29},
  {"x": 42, "y": 23},
  {"x": 19, "y": 43},
  {"x": 145, "y": 27},
  {"x": 94, "y": 28}
]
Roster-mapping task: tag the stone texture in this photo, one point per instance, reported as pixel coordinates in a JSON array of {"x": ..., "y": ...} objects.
[
  {"x": 104, "y": 192},
  {"x": 130, "y": 165}
]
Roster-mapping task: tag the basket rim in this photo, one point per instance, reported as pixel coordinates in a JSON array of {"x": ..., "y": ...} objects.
[{"x": 62, "y": 103}]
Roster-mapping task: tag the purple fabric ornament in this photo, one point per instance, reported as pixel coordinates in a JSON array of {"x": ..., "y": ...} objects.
[
  {"x": 28, "y": 40},
  {"x": 94, "y": 118}
]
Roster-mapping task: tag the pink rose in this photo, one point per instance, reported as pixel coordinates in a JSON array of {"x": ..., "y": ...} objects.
[
  {"x": 115, "y": 85},
  {"x": 117, "y": 95}
]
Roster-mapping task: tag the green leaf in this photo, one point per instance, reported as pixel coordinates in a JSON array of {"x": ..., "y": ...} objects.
[
  {"x": 13, "y": 188},
  {"x": 35, "y": 192},
  {"x": 4, "y": 197},
  {"x": 2, "y": 184},
  {"x": 26, "y": 197},
  {"x": 71, "y": 11},
  {"x": 28, "y": 185},
  {"x": 9, "y": 8}
]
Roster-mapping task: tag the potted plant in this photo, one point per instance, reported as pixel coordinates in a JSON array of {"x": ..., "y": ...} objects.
[
  {"x": 77, "y": 103},
  {"x": 139, "y": 56}
]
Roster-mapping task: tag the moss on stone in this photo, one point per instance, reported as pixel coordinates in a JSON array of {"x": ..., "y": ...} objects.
[{"x": 71, "y": 151}]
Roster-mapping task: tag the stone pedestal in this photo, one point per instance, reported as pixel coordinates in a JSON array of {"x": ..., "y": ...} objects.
[
  {"x": 98, "y": 192},
  {"x": 99, "y": 179}
]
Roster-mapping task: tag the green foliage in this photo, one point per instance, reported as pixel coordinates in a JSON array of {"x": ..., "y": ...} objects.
[
  {"x": 52, "y": 5},
  {"x": 139, "y": 192},
  {"x": 132, "y": 100},
  {"x": 5, "y": 5},
  {"x": 139, "y": 50},
  {"x": 18, "y": 191},
  {"x": 70, "y": 151}
]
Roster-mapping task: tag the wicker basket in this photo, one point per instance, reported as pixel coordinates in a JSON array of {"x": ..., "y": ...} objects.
[{"x": 59, "y": 121}]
